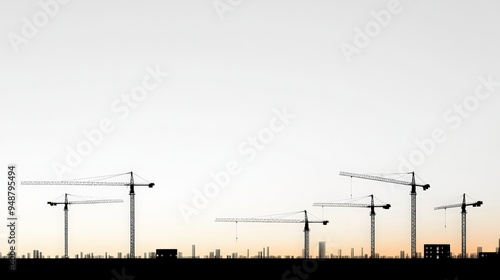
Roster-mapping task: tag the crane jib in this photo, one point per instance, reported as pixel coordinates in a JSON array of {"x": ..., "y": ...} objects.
[
  {"x": 84, "y": 183},
  {"x": 383, "y": 179}
]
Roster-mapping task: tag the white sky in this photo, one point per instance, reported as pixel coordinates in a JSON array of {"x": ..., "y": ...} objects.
[{"x": 229, "y": 71}]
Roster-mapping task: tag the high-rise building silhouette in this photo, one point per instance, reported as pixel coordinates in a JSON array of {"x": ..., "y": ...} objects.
[
  {"x": 217, "y": 253},
  {"x": 193, "y": 255},
  {"x": 322, "y": 249}
]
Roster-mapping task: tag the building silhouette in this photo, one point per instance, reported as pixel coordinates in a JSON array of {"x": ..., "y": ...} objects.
[
  {"x": 166, "y": 253},
  {"x": 322, "y": 249},
  {"x": 437, "y": 251},
  {"x": 490, "y": 255}
]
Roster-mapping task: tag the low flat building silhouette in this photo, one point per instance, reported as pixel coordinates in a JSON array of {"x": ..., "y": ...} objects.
[
  {"x": 437, "y": 251},
  {"x": 166, "y": 253},
  {"x": 489, "y": 255}
]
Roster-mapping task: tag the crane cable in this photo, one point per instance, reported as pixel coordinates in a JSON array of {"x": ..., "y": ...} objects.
[
  {"x": 141, "y": 177},
  {"x": 351, "y": 188},
  {"x": 105, "y": 177},
  {"x": 97, "y": 178},
  {"x": 445, "y": 218}
]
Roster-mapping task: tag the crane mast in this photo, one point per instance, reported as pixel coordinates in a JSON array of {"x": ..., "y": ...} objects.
[
  {"x": 463, "y": 213},
  {"x": 306, "y": 237},
  {"x": 132, "y": 216},
  {"x": 372, "y": 207},
  {"x": 65, "y": 226},
  {"x": 413, "y": 195},
  {"x": 306, "y": 222}
]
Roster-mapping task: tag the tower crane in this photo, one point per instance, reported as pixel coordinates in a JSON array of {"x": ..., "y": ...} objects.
[
  {"x": 66, "y": 202},
  {"x": 94, "y": 181},
  {"x": 413, "y": 194},
  {"x": 305, "y": 221},
  {"x": 463, "y": 205},
  {"x": 372, "y": 207}
]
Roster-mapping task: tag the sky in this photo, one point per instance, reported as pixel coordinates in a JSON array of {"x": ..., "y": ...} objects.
[{"x": 242, "y": 109}]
